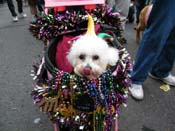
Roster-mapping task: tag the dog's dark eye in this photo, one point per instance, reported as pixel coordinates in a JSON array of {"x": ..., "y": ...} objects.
[
  {"x": 95, "y": 57},
  {"x": 82, "y": 57}
]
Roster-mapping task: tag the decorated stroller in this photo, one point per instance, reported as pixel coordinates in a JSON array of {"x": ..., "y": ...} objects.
[{"x": 73, "y": 102}]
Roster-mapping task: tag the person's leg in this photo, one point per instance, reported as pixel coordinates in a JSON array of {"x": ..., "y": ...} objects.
[
  {"x": 11, "y": 7},
  {"x": 1, "y": 1},
  {"x": 32, "y": 4},
  {"x": 137, "y": 13},
  {"x": 166, "y": 59},
  {"x": 20, "y": 9},
  {"x": 39, "y": 5},
  {"x": 33, "y": 10},
  {"x": 149, "y": 50},
  {"x": 139, "y": 7},
  {"x": 20, "y": 6},
  {"x": 152, "y": 43}
]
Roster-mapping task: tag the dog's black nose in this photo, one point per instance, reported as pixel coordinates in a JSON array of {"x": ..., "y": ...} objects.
[{"x": 88, "y": 66}]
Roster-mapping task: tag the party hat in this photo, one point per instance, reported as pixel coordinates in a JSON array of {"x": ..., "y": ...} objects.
[{"x": 90, "y": 28}]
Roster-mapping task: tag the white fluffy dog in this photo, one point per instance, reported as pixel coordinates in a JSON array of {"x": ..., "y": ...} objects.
[{"x": 90, "y": 55}]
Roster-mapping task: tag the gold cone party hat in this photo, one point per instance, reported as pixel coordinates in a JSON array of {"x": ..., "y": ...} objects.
[{"x": 90, "y": 28}]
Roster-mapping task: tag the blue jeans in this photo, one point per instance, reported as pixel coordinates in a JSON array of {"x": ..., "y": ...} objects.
[{"x": 156, "y": 52}]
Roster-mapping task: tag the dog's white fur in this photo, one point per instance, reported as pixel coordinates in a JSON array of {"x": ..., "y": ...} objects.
[{"x": 91, "y": 52}]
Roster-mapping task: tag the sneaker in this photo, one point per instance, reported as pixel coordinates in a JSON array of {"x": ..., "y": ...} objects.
[
  {"x": 22, "y": 15},
  {"x": 34, "y": 18},
  {"x": 170, "y": 79},
  {"x": 136, "y": 91},
  {"x": 15, "y": 18}
]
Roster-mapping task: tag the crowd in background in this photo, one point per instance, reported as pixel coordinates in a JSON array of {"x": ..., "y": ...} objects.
[{"x": 36, "y": 7}]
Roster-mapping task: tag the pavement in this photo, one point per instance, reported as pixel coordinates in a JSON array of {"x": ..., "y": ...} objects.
[{"x": 18, "y": 50}]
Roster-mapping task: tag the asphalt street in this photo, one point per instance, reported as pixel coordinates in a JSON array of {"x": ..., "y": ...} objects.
[{"x": 18, "y": 50}]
